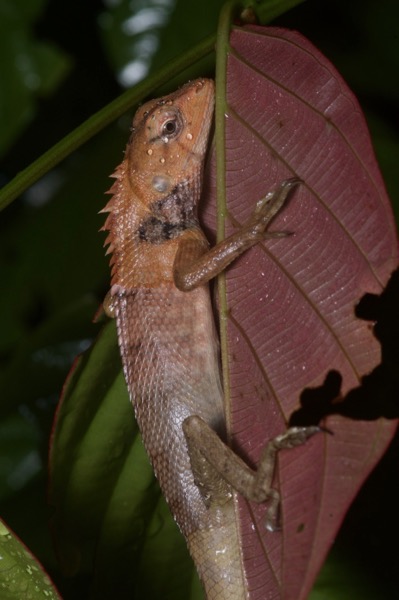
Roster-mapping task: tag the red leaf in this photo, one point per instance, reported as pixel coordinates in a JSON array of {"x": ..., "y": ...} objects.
[{"x": 292, "y": 300}]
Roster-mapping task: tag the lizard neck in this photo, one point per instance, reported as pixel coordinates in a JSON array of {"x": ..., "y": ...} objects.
[{"x": 144, "y": 241}]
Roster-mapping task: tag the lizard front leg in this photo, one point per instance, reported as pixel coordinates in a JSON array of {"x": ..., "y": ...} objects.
[
  {"x": 189, "y": 273},
  {"x": 210, "y": 457}
]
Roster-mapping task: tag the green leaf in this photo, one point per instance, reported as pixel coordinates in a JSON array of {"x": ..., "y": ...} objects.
[
  {"x": 104, "y": 489},
  {"x": 21, "y": 576}
]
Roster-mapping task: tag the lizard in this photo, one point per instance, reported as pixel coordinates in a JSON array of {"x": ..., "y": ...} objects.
[{"x": 161, "y": 265}]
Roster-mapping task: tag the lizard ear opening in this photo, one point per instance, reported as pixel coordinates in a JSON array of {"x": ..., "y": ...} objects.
[{"x": 161, "y": 183}]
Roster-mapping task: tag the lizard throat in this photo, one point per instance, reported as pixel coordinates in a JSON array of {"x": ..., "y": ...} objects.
[{"x": 171, "y": 215}]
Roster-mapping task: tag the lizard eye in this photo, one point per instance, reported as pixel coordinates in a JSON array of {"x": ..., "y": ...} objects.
[{"x": 171, "y": 127}]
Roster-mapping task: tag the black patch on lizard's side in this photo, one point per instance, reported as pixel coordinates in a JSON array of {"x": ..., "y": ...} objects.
[{"x": 170, "y": 216}]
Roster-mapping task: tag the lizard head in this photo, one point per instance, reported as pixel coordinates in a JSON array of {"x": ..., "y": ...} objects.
[
  {"x": 170, "y": 137},
  {"x": 158, "y": 184}
]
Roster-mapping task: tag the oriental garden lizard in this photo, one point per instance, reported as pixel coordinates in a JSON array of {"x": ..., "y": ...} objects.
[{"x": 161, "y": 265}]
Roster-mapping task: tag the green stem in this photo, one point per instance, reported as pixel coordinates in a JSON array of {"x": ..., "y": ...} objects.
[
  {"x": 100, "y": 120},
  {"x": 227, "y": 14},
  {"x": 222, "y": 51}
]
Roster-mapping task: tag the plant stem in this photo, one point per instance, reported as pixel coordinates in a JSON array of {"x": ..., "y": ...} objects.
[{"x": 100, "y": 120}]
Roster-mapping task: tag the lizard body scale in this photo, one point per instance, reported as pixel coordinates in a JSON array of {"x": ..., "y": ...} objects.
[{"x": 161, "y": 264}]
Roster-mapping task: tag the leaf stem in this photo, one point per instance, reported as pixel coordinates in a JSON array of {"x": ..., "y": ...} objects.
[
  {"x": 264, "y": 11},
  {"x": 222, "y": 50},
  {"x": 229, "y": 10}
]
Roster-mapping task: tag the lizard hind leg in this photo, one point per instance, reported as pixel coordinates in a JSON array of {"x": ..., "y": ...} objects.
[{"x": 214, "y": 465}]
